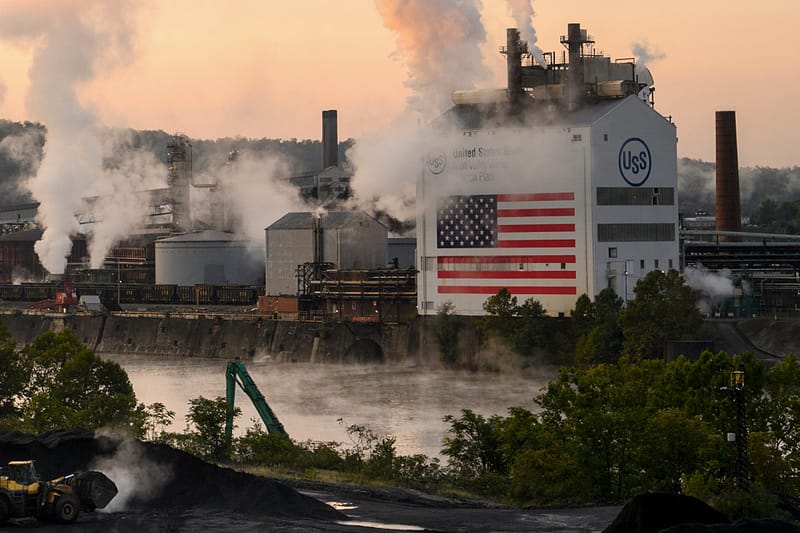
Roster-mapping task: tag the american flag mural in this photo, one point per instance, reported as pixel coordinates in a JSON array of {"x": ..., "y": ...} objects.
[{"x": 524, "y": 242}]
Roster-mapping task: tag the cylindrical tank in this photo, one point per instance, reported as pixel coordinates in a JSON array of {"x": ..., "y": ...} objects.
[{"x": 729, "y": 216}]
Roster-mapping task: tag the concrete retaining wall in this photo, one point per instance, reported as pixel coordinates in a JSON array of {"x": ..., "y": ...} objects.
[{"x": 224, "y": 337}]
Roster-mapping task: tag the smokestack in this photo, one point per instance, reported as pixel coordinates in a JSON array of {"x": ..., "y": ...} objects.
[
  {"x": 575, "y": 82},
  {"x": 514, "y": 65},
  {"x": 729, "y": 214},
  {"x": 330, "y": 140}
]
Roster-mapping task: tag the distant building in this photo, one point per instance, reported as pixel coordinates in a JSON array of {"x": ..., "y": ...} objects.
[{"x": 348, "y": 240}]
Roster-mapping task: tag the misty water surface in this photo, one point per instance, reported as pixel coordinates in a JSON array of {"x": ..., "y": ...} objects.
[{"x": 309, "y": 399}]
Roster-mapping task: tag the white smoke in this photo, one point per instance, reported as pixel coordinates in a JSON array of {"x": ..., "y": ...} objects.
[
  {"x": 3, "y": 92},
  {"x": 387, "y": 164},
  {"x": 120, "y": 205},
  {"x": 440, "y": 42},
  {"x": 254, "y": 197},
  {"x": 137, "y": 478},
  {"x": 645, "y": 55},
  {"x": 70, "y": 40},
  {"x": 522, "y": 11},
  {"x": 713, "y": 287}
]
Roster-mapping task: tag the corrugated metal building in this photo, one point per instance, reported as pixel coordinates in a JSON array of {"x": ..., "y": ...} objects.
[
  {"x": 349, "y": 240},
  {"x": 563, "y": 197},
  {"x": 207, "y": 257}
]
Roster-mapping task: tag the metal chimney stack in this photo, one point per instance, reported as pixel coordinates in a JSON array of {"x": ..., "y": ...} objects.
[
  {"x": 330, "y": 140},
  {"x": 575, "y": 77},
  {"x": 729, "y": 214},
  {"x": 514, "y": 66}
]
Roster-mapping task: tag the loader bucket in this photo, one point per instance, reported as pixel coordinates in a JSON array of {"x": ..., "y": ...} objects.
[{"x": 94, "y": 489}]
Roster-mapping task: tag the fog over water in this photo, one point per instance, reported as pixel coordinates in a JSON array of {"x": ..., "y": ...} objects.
[{"x": 407, "y": 403}]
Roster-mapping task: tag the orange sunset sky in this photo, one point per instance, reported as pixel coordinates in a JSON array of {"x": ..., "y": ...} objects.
[{"x": 267, "y": 68}]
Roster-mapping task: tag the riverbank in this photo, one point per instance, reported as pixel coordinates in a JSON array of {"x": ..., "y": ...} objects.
[{"x": 247, "y": 334}]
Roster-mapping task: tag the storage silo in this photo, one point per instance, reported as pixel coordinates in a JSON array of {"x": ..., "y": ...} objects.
[{"x": 207, "y": 257}]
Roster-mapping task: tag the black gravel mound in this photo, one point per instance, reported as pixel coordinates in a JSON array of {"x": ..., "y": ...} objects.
[
  {"x": 745, "y": 526},
  {"x": 158, "y": 477},
  {"x": 654, "y": 512}
]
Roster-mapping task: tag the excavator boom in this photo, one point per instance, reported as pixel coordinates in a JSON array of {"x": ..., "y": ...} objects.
[{"x": 236, "y": 374}]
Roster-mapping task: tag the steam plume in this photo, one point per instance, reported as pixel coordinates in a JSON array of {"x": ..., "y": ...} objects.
[
  {"x": 70, "y": 40},
  {"x": 645, "y": 55},
  {"x": 712, "y": 287},
  {"x": 137, "y": 477},
  {"x": 522, "y": 11},
  {"x": 440, "y": 42}
]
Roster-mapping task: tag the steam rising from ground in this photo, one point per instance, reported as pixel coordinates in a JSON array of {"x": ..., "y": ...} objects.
[
  {"x": 70, "y": 40},
  {"x": 522, "y": 11},
  {"x": 137, "y": 478},
  {"x": 712, "y": 286}
]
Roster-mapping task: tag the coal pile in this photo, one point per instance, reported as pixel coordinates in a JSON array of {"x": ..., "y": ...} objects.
[
  {"x": 158, "y": 477},
  {"x": 654, "y": 512}
]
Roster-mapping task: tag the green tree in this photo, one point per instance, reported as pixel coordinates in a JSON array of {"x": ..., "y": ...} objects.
[
  {"x": 598, "y": 332},
  {"x": 530, "y": 327},
  {"x": 66, "y": 385},
  {"x": 501, "y": 309},
  {"x": 12, "y": 376},
  {"x": 446, "y": 329},
  {"x": 205, "y": 427},
  {"x": 156, "y": 420},
  {"x": 664, "y": 309},
  {"x": 473, "y": 445}
]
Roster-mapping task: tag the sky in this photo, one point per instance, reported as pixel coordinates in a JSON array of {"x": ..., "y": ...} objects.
[{"x": 267, "y": 68}]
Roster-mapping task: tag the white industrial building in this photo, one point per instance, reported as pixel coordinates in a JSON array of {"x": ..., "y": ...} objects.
[
  {"x": 207, "y": 257},
  {"x": 347, "y": 240},
  {"x": 552, "y": 193}
]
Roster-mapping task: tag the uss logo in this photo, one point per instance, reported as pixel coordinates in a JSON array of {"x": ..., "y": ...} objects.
[{"x": 635, "y": 162}]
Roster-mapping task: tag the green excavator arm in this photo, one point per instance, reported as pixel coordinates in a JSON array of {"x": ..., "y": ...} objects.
[{"x": 236, "y": 374}]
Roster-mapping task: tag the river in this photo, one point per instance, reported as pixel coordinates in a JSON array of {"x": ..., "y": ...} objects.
[{"x": 407, "y": 403}]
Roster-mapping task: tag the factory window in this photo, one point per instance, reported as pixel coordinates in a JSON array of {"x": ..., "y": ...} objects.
[
  {"x": 612, "y": 253},
  {"x": 663, "y": 231},
  {"x": 605, "y": 137},
  {"x": 670, "y": 264},
  {"x": 635, "y": 196},
  {"x": 641, "y": 264},
  {"x": 655, "y": 264},
  {"x": 563, "y": 266},
  {"x": 577, "y": 137}
]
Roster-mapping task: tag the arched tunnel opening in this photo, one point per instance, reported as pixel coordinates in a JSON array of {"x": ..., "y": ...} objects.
[{"x": 364, "y": 351}]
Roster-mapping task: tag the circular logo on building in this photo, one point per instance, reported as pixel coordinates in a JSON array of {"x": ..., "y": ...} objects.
[
  {"x": 436, "y": 162},
  {"x": 635, "y": 162}
]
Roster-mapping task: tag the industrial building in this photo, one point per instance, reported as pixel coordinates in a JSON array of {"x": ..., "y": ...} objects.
[
  {"x": 342, "y": 240},
  {"x": 207, "y": 257},
  {"x": 563, "y": 184}
]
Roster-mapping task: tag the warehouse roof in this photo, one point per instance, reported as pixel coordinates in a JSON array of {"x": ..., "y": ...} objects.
[
  {"x": 204, "y": 236},
  {"x": 331, "y": 219}
]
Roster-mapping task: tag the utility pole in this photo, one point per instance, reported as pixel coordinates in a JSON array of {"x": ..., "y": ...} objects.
[{"x": 740, "y": 462}]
